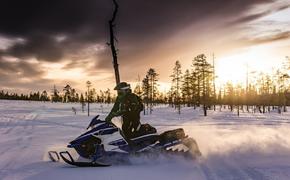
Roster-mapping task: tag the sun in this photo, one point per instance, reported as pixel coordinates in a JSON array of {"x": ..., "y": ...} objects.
[
  {"x": 231, "y": 69},
  {"x": 245, "y": 65}
]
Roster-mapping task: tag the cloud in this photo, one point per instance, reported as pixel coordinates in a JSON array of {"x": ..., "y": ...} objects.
[
  {"x": 20, "y": 69},
  {"x": 77, "y": 31},
  {"x": 268, "y": 38},
  {"x": 15, "y": 74},
  {"x": 39, "y": 47},
  {"x": 139, "y": 23},
  {"x": 252, "y": 17},
  {"x": 255, "y": 16}
]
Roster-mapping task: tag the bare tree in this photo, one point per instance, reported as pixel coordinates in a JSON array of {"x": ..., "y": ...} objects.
[{"x": 112, "y": 42}]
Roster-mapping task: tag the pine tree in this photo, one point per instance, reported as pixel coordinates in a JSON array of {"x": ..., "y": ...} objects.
[
  {"x": 82, "y": 101},
  {"x": 108, "y": 96},
  {"x": 43, "y": 96},
  {"x": 187, "y": 88},
  {"x": 176, "y": 84},
  {"x": 73, "y": 95},
  {"x": 229, "y": 97},
  {"x": 146, "y": 92},
  {"x": 67, "y": 93},
  {"x": 138, "y": 88},
  {"x": 204, "y": 78},
  {"x": 195, "y": 88},
  {"x": 55, "y": 96},
  {"x": 152, "y": 82}
]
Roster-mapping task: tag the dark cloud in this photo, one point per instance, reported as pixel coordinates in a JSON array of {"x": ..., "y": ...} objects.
[
  {"x": 10, "y": 83},
  {"x": 57, "y": 30},
  {"x": 40, "y": 47},
  {"x": 16, "y": 74},
  {"x": 85, "y": 22},
  {"x": 24, "y": 77},
  {"x": 20, "y": 18},
  {"x": 39, "y": 23},
  {"x": 20, "y": 69}
]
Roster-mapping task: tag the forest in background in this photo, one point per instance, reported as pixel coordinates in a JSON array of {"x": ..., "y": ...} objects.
[{"x": 195, "y": 87}]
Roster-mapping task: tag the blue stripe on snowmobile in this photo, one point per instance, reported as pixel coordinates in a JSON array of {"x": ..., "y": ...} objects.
[
  {"x": 118, "y": 142},
  {"x": 172, "y": 143},
  {"x": 121, "y": 142},
  {"x": 96, "y": 131},
  {"x": 141, "y": 137}
]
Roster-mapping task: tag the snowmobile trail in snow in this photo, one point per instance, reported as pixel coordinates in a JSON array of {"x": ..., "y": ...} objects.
[
  {"x": 20, "y": 138},
  {"x": 230, "y": 169},
  {"x": 252, "y": 146},
  {"x": 24, "y": 129}
]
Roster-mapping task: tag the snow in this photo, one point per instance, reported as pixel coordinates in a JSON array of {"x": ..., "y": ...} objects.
[{"x": 252, "y": 146}]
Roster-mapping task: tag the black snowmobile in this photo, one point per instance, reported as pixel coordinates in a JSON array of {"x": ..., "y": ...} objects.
[{"x": 104, "y": 144}]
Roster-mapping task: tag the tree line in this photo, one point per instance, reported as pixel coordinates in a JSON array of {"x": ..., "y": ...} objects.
[
  {"x": 67, "y": 95},
  {"x": 33, "y": 96},
  {"x": 194, "y": 87}
]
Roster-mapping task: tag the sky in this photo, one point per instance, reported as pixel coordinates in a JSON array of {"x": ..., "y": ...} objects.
[{"x": 59, "y": 42}]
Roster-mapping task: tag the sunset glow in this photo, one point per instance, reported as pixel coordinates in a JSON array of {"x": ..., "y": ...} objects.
[
  {"x": 56, "y": 72},
  {"x": 252, "y": 36},
  {"x": 188, "y": 89},
  {"x": 234, "y": 68}
]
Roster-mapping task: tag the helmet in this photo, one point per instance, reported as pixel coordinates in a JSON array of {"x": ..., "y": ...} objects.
[{"x": 122, "y": 86}]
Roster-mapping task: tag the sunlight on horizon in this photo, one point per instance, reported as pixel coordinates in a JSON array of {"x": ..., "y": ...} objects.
[
  {"x": 231, "y": 68},
  {"x": 73, "y": 74},
  {"x": 234, "y": 68}
]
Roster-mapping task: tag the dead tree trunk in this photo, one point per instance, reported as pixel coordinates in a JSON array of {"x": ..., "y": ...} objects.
[{"x": 112, "y": 43}]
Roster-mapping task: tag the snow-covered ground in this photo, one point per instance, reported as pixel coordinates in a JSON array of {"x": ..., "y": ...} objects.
[{"x": 252, "y": 146}]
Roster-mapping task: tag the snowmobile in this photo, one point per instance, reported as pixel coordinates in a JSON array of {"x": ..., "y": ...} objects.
[{"x": 104, "y": 144}]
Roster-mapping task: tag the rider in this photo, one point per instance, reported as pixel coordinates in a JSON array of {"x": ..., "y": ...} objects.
[{"x": 128, "y": 105}]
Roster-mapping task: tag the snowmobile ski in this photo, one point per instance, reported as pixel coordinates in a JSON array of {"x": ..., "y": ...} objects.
[
  {"x": 53, "y": 156},
  {"x": 80, "y": 164}
]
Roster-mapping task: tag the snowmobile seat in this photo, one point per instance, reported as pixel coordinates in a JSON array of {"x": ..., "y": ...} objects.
[
  {"x": 172, "y": 135},
  {"x": 140, "y": 142},
  {"x": 145, "y": 133},
  {"x": 144, "y": 130}
]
